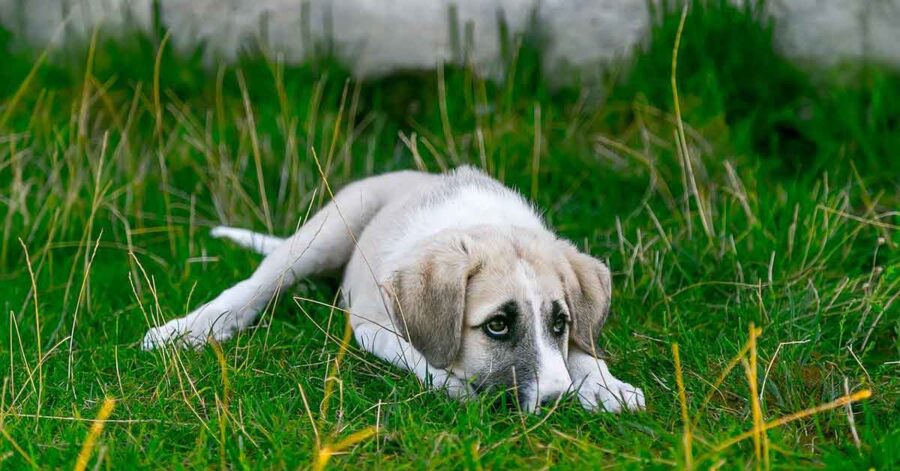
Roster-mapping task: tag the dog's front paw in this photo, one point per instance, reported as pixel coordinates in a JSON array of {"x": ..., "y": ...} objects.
[
  {"x": 168, "y": 333},
  {"x": 611, "y": 394},
  {"x": 191, "y": 331},
  {"x": 177, "y": 332}
]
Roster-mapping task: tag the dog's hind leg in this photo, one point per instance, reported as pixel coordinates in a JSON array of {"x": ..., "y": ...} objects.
[
  {"x": 323, "y": 244},
  {"x": 255, "y": 241}
]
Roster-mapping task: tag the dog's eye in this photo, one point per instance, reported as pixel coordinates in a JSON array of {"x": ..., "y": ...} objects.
[
  {"x": 559, "y": 325},
  {"x": 496, "y": 328}
]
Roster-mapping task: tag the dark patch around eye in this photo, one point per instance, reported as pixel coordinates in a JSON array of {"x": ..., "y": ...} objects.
[
  {"x": 557, "y": 319},
  {"x": 556, "y": 309},
  {"x": 507, "y": 314},
  {"x": 511, "y": 310}
]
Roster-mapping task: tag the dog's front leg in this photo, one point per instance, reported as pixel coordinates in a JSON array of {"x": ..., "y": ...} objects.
[
  {"x": 233, "y": 310},
  {"x": 597, "y": 387},
  {"x": 390, "y": 347}
]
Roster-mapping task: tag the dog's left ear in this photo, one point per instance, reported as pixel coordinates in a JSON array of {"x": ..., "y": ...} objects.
[
  {"x": 429, "y": 297},
  {"x": 588, "y": 286}
]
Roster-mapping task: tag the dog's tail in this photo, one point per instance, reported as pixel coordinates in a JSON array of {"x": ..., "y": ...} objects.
[{"x": 255, "y": 241}]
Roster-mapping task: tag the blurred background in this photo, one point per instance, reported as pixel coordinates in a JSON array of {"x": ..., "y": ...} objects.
[
  {"x": 373, "y": 38},
  {"x": 734, "y": 161}
]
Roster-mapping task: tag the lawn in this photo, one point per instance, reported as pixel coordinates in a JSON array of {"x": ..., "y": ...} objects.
[{"x": 767, "y": 199}]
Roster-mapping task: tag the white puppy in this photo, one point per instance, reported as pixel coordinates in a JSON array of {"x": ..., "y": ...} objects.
[{"x": 453, "y": 277}]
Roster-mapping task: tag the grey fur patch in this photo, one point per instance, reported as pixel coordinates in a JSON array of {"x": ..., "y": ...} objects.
[{"x": 514, "y": 361}]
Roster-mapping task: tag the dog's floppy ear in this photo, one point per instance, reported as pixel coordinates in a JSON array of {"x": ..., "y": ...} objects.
[
  {"x": 588, "y": 287},
  {"x": 429, "y": 297}
]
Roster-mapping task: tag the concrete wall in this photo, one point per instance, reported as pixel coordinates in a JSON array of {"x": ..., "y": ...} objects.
[{"x": 374, "y": 37}]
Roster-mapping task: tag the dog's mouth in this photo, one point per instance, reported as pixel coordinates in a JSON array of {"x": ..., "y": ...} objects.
[
  {"x": 505, "y": 400},
  {"x": 512, "y": 399},
  {"x": 504, "y": 394},
  {"x": 505, "y": 379}
]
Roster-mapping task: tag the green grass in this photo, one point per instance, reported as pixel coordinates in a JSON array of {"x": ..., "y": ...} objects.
[{"x": 111, "y": 183}]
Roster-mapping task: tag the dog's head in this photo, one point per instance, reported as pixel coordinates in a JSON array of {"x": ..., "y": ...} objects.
[{"x": 501, "y": 309}]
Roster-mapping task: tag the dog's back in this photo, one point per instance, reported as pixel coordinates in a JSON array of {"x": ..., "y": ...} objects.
[{"x": 460, "y": 199}]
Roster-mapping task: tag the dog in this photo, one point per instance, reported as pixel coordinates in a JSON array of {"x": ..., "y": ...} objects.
[{"x": 453, "y": 277}]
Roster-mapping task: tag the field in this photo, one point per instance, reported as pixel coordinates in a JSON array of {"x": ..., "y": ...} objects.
[{"x": 760, "y": 197}]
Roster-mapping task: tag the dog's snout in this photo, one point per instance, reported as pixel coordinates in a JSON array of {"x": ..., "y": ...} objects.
[
  {"x": 551, "y": 389},
  {"x": 553, "y": 380}
]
